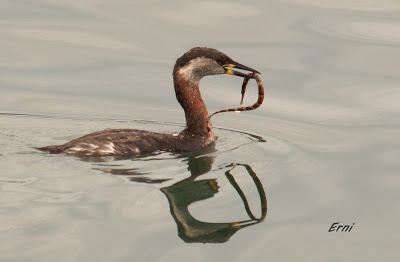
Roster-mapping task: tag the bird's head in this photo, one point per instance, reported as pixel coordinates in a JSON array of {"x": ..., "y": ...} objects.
[{"x": 202, "y": 61}]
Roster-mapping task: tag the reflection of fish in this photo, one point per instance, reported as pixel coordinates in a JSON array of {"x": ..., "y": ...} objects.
[
  {"x": 180, "y": 195},
  {"x": 188, "y": 70}
]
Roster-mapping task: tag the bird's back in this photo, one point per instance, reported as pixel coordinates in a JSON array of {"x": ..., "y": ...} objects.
[{"x": 127, "y": 142}]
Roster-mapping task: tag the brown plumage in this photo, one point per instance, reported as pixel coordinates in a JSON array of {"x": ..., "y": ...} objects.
[{"x": 188, "y": 70}]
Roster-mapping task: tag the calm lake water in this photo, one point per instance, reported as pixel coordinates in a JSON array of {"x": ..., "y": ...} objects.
[{"x": 323, "y": 148}]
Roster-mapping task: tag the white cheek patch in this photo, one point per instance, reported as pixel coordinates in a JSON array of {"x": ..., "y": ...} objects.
[{"x": 189, "y": 71}]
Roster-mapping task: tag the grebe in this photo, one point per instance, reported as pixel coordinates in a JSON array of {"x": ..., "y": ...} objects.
[{"x": 188, "y": 70}]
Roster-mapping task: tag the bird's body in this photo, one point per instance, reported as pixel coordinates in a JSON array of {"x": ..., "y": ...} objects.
[
  {"x": 129, "y": 142},
  {"x": 189, "y": 69}
]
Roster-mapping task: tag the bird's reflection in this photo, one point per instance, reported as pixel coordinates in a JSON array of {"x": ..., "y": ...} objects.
[
  {"x": 193, "y": 189},
  {"x": 187, "y": 191}
]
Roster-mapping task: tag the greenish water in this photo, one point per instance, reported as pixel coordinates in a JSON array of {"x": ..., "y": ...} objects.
[{"x": 323, "y": 148}]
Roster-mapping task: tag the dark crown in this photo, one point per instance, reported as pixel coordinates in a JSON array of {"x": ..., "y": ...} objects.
[{"x": 196, "y": 52}]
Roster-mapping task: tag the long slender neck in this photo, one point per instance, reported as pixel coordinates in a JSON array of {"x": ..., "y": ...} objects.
[{"x": 188, "y": 95}]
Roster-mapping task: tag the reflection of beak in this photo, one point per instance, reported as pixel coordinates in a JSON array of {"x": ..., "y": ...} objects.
[{"x": 230, "y": 71}]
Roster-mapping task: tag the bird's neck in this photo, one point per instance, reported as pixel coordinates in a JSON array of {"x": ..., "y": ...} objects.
[{"x": 188, "y": 94}]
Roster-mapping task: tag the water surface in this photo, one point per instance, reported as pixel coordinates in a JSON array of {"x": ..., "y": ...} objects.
[{"x": 323, "y": 148}]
